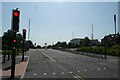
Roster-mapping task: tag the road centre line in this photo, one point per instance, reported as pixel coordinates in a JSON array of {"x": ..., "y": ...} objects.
[
  {"x": 78, "y": 77},
  {"x": 51, "y": 59}
]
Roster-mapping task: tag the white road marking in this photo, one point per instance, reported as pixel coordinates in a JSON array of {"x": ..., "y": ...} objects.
[
  {"x": 77, "y": 77},
  {"x": 98, "y": 69},
  {"x": 110, "y": 67},
  {"x": 78, "y": 71},
  {"x": 53, "y": 73},
  {"x": 85, "y": 70},
  {"x": 104, "y": 68},
  {"x": 35, "y": 74},
  {"x": 70, "y": 72},
  {"x": 62, "y": 72},
  {"x": 44, "y": 73},
  {"x": 51, "y": 59}
]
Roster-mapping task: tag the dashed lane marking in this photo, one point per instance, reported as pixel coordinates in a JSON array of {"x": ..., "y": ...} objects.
[
  {"x": 62, "y": 72},
  {"x": 71, "y": 72},
  {"x": 52, "y": 60},
  {"x": 98, "y": 69},
  {"x": 53, "y": 73},
  {"x": 35, "y": 74},
  {"x": 78, "y": 77},
  {"x": 44, "y": 73}
]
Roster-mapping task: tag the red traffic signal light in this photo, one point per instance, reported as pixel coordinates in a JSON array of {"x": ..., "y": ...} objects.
[
  {"x": 24, "y": 30},
  {"x": 15, "y": 13},
  {"x": 15, "y": 20},
  {"x": 14, "y": 40},
  {"x": 24, "y": 33}
]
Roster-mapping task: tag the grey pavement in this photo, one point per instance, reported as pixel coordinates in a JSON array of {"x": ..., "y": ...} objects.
[{"x": 58, "y": 64}]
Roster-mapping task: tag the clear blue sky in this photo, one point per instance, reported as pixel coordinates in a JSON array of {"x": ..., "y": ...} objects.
[{"x": 56, "y": 21}]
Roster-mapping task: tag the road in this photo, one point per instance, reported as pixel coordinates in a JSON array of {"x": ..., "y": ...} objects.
[{"x": 58, "y": 64}]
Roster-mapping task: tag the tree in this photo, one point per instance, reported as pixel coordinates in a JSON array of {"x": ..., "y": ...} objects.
[
  {"x": 29, "y": 44},
  {"x": 86, "y": 41},
  {"x": 60, "y": 45},
  {"x": 49, "y": 46},
  {"x": 38, "y": 46},
  {"x": 64, "y": 44}
]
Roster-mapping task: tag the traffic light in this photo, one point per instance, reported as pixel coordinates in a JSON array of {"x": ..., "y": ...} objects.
[
  {"x": 15, "y": 20},
  {"x": 24, "y": 33},
  {"x": 14, "y": 41}
]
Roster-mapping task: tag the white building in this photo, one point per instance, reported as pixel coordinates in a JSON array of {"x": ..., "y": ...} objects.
[
  {"x": 79, "y": 41},
  {"x": 76, "y": 41}
]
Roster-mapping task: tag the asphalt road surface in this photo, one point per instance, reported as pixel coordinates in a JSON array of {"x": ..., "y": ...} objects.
[{"x": 58, "y": 64}]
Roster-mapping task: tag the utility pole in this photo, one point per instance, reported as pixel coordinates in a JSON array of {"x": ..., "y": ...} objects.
[
  {"x": 115, "y": 23},
  {"x": 92, "y": 33},
  {"x": 115, "y": 29},
  {"x": 29, "y": 30}
]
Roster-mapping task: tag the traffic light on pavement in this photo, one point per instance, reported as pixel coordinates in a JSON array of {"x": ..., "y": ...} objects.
[
  {"x": 15, "y": 20},
  {"x": 24, "y": 33}
]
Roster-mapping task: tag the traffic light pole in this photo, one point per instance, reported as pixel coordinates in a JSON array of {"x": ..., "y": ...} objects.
[
  {"x": 15, "y": 29},
  {"x": 13, "y": 59},
  {"x": 23, "y": 50}
]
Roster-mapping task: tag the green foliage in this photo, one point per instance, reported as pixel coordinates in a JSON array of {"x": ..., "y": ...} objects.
[
  {"x": 99, "y": 50},
  {"x": 114, "y": 50},
  {"x": 85, "y": 49},
  {"x": 60, "y": 45},
  {"x": 86, "y": 41}
]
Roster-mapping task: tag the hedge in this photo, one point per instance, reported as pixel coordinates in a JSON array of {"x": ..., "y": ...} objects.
[{"x": 114, "y": 50}]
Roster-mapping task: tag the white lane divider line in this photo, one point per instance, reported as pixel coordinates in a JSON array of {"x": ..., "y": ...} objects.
[
  {"x": 78, "y": 77},
  {"x": 62, "y": 72},
  {"x": 35, "y": 74},
  {"x": 53, "y": 73},
  {"x": 85, "y": 70},
  {"x": 52, "y": 60},
  {"x": 78, "y": 71},
  {"x": 104, "y": 68},
  {"x": 71, "y": 72},
  {"x": 98, "y": 69},
  {"x": 75, "y": 76},
  {"x": 44, "y": 73}
]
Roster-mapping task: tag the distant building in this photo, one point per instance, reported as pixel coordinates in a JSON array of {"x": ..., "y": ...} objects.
[
  {"x": 76, "y": 41},
  {"x": 79, "y": 42},
  {"x": 119, "y": 17},
  {"x": 94, "y": 42}
]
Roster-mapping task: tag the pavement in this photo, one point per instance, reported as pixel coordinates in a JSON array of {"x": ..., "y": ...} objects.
[
  {"x": 19, "y": 68},
  {"x": 65, "y": 65}
]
